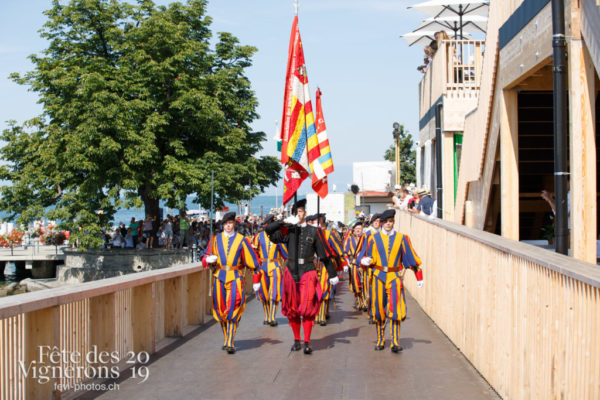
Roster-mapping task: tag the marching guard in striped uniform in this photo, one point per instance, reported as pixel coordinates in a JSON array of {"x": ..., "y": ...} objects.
[
  {"x": 302, "y": 292},
  {"x": 354, "y": 249},
  {"x": 374, "y": 227},
  {"x": 269, "y": 275},
  {"x": 388, "y": 254},
  {"x": 339, "y": 263},
  {"x": 230, "y": 252}
]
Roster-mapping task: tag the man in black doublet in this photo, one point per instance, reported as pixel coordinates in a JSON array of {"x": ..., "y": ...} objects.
[{"x": 302, "y": 294}]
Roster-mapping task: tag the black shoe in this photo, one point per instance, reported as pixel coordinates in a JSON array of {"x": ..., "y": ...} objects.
[
  {"x": 379, "y": 348},
  {"x": 296, "y": 346},
  {"x": 224, "y": 347},
  {"x": 231, "y": 350},
  {"x": 397, "y": 349},
  {"x": 265, "y": 322},
  {"x": 323, "y": 323},
  {"x": 274, "y": 323},
  {"x": 365, "y": 309},
  {"x": 307, "y": 348},
  {"x": 327, "y": 316}
]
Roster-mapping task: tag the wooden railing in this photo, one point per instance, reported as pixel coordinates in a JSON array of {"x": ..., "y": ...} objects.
[
  {"x": 127, "y": 315},
  {"x": 464, "y": 63},
  {"x": 528, "y": 319}
]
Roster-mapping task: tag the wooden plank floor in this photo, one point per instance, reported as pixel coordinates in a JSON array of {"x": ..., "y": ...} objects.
[{"x": 342, "y": 366}]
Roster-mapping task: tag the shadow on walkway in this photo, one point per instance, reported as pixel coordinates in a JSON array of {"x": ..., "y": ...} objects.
[
  {"x": 251, "y": 344},
  {"x": 407, "y": 342},
  {"x": 329, "y": 342}
]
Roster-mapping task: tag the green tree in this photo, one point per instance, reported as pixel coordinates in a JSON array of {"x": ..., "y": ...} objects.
[
  {"x": 137, "y": 107},
  {"x": 408, "y": 157}
]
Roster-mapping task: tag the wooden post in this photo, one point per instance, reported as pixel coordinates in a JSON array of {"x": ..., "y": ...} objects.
[
  {"x": 195, "y": 298},
  {"x": 582, "y": 97},
  {"x": 469, "y": 217},
  {"x": 209, "y": 299},
  {"x": 478, "y": 63},
  {"x": 509, "y": 164},
  {"x": 448, "y": 171},
  {"x": 175, "y": 305},
  {"x": 103, "y": 322},
  {"x": 142, "y": 316},
  {"x": 41, "y": 330}
]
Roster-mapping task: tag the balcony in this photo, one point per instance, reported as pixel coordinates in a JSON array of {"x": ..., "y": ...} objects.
[{"x": 453, "y": 77}]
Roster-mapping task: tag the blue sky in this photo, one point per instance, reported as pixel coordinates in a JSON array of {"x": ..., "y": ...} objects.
[{"x": 353, "y": 51}]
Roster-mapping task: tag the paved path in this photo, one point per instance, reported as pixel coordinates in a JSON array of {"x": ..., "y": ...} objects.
[{"x": 342, "y": 366}]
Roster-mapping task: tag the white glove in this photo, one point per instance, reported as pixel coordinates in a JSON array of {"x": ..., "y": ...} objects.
[
  {"x": 292, "y": 220},
  {"x": 256, "y": 287},
  {"x": 366, "y": 261},
  {"x": 346, "y": 268},
  {"x": 334, "y": 281},
  {"x": 211, "y": 259},
  {"x": 419, "y": 283}
]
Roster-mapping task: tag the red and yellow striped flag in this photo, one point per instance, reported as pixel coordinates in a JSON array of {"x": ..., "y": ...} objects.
[
  {"x": 322, "y": 164},
  {"x": 298, "y": 132}
]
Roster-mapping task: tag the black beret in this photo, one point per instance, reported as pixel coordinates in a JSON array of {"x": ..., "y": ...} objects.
[
  {"x": 311, "y": 218},
  {"x": 375, "y": 217},
  {"x": 298, "y": 204},
  {"x": 322, "y": 215},
  {"x": 356, "y": 222},
  {"x": 230, "y": 216},
  {"x": 268, "y": 219},
  {"x": 387, "y": 214}
]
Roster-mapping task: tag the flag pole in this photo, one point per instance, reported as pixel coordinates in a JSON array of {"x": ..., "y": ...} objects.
[
  {"x": 296, "y": 7},
  {"x": 318, "y": 209}
]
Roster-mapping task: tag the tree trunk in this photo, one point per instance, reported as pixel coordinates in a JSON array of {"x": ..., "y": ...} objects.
[{"x": 151, "y": 208}]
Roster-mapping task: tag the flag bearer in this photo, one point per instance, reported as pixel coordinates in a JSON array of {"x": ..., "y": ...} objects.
[
  {"x": 302, "y": 292},
  {"x": 389, "y": 252},
  {"x": 230, "y": 252}
]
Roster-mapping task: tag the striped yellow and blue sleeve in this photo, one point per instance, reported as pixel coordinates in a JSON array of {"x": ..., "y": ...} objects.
[
  {"x": 283, "y": 250},
  {"x": 410, "y": 258},
  {"x": 250, "y": 257}
]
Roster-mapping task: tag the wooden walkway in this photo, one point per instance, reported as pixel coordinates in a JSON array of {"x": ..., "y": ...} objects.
[{"x": 342, "y": 366}]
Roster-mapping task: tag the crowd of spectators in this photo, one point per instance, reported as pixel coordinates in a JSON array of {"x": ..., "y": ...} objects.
[
  {"x": 174, "y": 232},
  {"x": 414, "y": 200}
]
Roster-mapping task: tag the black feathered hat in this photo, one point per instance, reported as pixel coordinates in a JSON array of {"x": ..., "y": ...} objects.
[{"x": 298, "y": 204}]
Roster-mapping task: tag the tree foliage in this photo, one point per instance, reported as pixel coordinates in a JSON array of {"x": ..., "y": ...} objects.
[
  {"x": 137, "y": 106},
  {"x": 408, "y": 157}
]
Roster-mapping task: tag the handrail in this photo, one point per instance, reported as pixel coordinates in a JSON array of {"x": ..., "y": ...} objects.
[
  {"x": 568, "y": 266},
  {"x": 28, "y": 302},
  {"x": 525, "y": 317}
]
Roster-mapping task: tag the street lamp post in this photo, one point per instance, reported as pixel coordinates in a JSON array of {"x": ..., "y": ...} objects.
[{"x": 396, "y": 133}]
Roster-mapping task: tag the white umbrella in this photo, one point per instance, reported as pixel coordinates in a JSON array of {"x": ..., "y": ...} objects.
[
  {"x": 424, "y": 37},
  {"x": 456, "y": 23},
  {"x": 448, "y": 8}
]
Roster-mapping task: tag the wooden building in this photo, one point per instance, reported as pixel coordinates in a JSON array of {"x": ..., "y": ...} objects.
[{"x": 497, "y": 123}]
